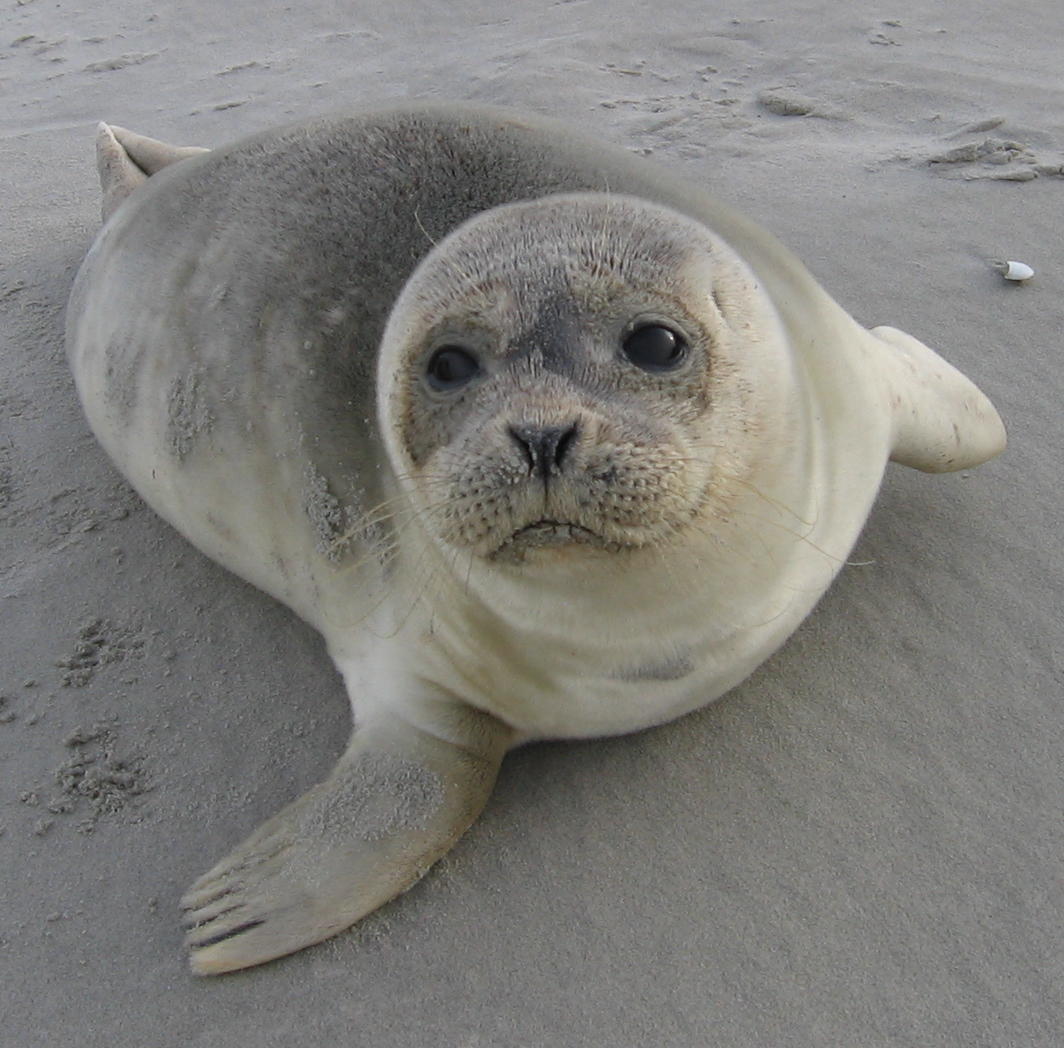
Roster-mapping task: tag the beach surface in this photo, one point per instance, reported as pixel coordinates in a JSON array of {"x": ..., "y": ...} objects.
[{"x": 860, "y": 846}]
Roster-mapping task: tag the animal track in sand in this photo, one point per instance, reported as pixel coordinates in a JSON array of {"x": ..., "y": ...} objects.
[
  {"x": 109, "y": 65},
  {"x": 99, "y": 643},
  {"x": 998, "y": 159},
  {"x": 96, "y": 780}
]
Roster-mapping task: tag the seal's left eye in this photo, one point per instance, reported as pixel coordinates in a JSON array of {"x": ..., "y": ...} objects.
[
  {"x": 654, "y": 347},
  {"x": 450, "y": 367}
]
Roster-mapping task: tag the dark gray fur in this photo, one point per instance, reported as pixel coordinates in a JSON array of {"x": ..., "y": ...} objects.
[
  {"x": 271, "y": 267},
  {"x": 675, "y": 668}
]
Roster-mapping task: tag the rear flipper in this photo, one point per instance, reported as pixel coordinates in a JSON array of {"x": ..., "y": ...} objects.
[
  {"x": 397, "y": 799},
  {"x": 125, "y": 159},
  {"x": 942, "y": 420}
]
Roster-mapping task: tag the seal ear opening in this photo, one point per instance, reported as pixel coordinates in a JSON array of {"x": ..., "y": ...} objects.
[
  {"x": 942, "y": 420},
  {"x": 124, "y": 160}
]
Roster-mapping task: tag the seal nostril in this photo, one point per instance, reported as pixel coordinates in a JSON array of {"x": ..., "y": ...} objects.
[
  {"x": 563, "y": 444},
  {"x": 522, "y": 439},
  {"x": 545, "y": 448}
]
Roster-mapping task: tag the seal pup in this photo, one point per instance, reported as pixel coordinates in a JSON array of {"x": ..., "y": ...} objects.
[{"x": 545, "y": 442}]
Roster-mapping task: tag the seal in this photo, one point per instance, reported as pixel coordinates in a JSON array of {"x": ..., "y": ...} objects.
[{"x": 544, "y": 441}]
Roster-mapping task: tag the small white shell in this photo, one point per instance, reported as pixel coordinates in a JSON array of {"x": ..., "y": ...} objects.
[{"x": 1017, "y": 271}]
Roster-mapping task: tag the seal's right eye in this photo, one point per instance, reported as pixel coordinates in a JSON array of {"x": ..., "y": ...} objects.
[{"x": 451, "y": 367}]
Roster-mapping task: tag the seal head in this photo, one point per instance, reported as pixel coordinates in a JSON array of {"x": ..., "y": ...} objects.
[{"x": 574, "y": 375}]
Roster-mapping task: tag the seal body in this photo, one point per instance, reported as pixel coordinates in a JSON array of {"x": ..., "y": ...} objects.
[{"x": 545, "y": 442}]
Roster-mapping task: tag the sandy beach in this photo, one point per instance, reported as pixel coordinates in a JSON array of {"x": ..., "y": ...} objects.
[{"x": 860, "y": 846}]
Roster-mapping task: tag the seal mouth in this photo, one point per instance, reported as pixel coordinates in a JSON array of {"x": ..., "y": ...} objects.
[
  {"x": 547, "y": 533},
  {"x": 552, "y": 532}
]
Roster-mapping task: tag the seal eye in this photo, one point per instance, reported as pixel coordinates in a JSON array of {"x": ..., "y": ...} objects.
[
  {"x": 450, "y": 367},
  {"x": 654, "y": 347}
]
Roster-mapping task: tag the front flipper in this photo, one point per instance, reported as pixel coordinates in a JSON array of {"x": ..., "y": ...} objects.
[
  {"x": 942, "y": 420},
  {"x": 397, "y": 800}
]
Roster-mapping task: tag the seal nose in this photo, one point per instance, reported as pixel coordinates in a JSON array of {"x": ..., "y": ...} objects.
[{"x": 545, "y": 447}]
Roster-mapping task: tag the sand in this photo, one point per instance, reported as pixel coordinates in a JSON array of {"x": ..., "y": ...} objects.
[{"x": 860, "y": 846}]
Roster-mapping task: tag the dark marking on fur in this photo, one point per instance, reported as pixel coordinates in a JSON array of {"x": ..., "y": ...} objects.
[
  {"x": 220, "y": 893},
  {"x": 223, "y": 531},
  {"x": 281, "y": 565},
  {"x": 675, "y": 668},
  {"x": 553, "y": 340},
  {"x": 222, "y": 936},
  {"x": 192, "y": 925}
]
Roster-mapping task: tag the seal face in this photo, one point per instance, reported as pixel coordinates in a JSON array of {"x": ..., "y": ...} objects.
[
  {"x": 588, "y": 394},
  {"x": 544, "y": 442}
]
